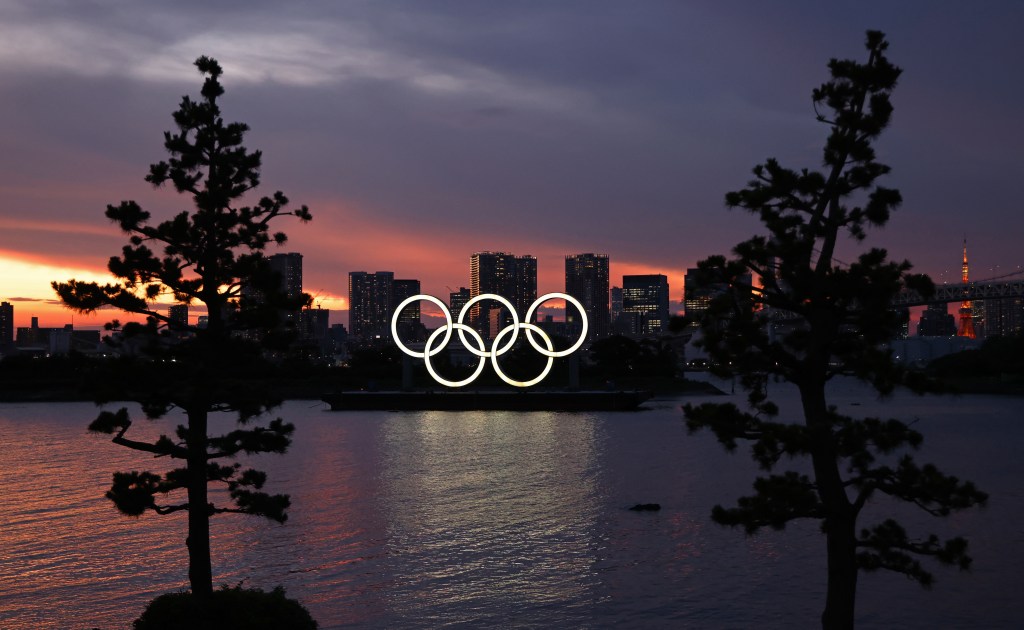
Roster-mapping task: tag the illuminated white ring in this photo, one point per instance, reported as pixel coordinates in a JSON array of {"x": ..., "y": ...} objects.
[
  {"x": 551, "y": 361},
  {"x": 536, "y": 305},
  {"x": 427, "y": 353},
  {"x": 514, "y": 325},
  {"x": 447, "y": 327}
]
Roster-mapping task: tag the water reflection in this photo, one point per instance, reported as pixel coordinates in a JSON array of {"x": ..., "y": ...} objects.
[
  {"x": 429, "y": 519},
  {"x": 488, "y": 512}
]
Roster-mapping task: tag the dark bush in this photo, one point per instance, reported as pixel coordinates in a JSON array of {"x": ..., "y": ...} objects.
[{"x": 231, "y": 608}]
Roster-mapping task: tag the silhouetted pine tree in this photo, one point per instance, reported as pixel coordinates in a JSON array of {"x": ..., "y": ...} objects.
[
  {"x": 201, "y": 256},
  {"x": 829, "y": 319}
]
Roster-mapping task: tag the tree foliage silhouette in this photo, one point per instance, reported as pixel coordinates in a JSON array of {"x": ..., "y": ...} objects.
[
  {"x": 815, "y": 318},
  {"x": 200, "y": 256}
]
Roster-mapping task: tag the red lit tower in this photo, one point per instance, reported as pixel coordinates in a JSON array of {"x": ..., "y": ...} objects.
[{"x": 966, "y": 320}]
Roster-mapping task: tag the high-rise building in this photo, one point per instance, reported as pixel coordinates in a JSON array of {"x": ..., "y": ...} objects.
[
  {"x": 616, "y": 303},
  {"x": 698, "y": 293},
  {"x": 314, "y": 324},
  {"x": 586, "y": 279},
  {"x": 369, "y": 304},
  {"x": 696, "y": 299},
  {"x": 936, "y": 321},
  {"x": 289, "y": 267},
  {"x": 6, "y": 324},
  {"x": 1003, "y": 317},
  {"x": 645, "y": 300},
  {"x": 372, "y": 299},
  {"x": 409, "y": 326},
  {"x": 512, "y": 277},
  {"x": 526, "y": 283},
  {"x": 178, "y": 313},
  {"x": 457, "y": 301}
]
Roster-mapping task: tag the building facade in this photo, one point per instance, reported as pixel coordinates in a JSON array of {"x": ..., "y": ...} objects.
[
  {"x": 1001, "y": 318},
  {"x": 372, "y": 298},
  {"x": 512, "y": 277},
  {"x": 586, "y": 279},
  {"x": 457, "y": 301},
  {"x": 936, "y": 321},
  {"x": 6, "y": 324},
  {"x": 178, "y": 314},
  {"x": 409, "y": 326},
  {"x": 289, "y": 267},
  {"x": 645, "y": 303},
  {"x": 697, "y": 294},
  {"x": 369, "y": 304}
]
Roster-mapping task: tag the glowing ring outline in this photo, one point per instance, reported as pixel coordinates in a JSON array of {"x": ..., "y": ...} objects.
[
  {"x": 551, "y": 360},
  {"x": 495, "y": 352},
  {"x": 583, "y": 314},
  {"x": 440, "y": 379},
  {"x": 448, "y": 328},
  {"x": 515, "y": 323}
]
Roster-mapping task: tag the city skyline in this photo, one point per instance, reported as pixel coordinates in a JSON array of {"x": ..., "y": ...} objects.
[{"x": 419, "y": 134}]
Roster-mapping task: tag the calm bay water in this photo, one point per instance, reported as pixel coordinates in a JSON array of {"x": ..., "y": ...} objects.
[{"x": 495, "y": 519}]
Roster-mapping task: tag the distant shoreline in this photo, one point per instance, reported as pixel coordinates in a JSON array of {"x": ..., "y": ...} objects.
[{"x": 49, "y": 392}]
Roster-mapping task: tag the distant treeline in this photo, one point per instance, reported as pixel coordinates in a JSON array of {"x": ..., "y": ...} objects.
[
  {"x": 996, "y": 367},
  {"x": 615, "y": 362}
]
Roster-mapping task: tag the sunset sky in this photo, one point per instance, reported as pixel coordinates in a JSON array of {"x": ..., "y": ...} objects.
[{"x": 420, "y": 132}]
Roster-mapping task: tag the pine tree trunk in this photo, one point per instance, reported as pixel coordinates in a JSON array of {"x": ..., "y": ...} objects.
[
  {"x": 840, "y": 520},
  {"x": 200, "y": 571},
  {"x": 842, "y": 574}
]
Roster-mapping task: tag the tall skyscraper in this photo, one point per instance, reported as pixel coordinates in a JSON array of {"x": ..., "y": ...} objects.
[
  {"x": 586, "y": 279},
  {"x": 696, "y": 299},
  {"x": 289, "y": 266},
  {"x": 289, "y": 269},
  {"x": 409, "y": 326},
  {"x": 369, "y": 304},
  {"x": 616, "y": 303},
  {"x": 457, "y": 301},
  {"x": 6, "y": 324},
  {"x": 372, "y": 299},
  {"x": 936, "y": 321},
  {"x": 1002, "y": 318},
  {"x": 178, "y": 316},
  {"x": 526, "y": 283},
  {"x": 511, "y": 277},
  {"x": 645, "y": 298}
]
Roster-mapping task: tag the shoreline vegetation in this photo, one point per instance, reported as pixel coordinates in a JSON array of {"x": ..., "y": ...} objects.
[
  {"x": 74, "y": 379},
  {"x": 995, "y": 368}
]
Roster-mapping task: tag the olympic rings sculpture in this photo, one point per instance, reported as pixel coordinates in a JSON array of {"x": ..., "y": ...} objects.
[{"x": 479, "y": 348}]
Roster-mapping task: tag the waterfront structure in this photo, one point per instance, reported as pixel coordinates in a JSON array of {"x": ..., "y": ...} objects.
[
  {"x": 512, "y": 277},
  {"x": 645, "y": 303},
  {"x": 586, "y": 279}
]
